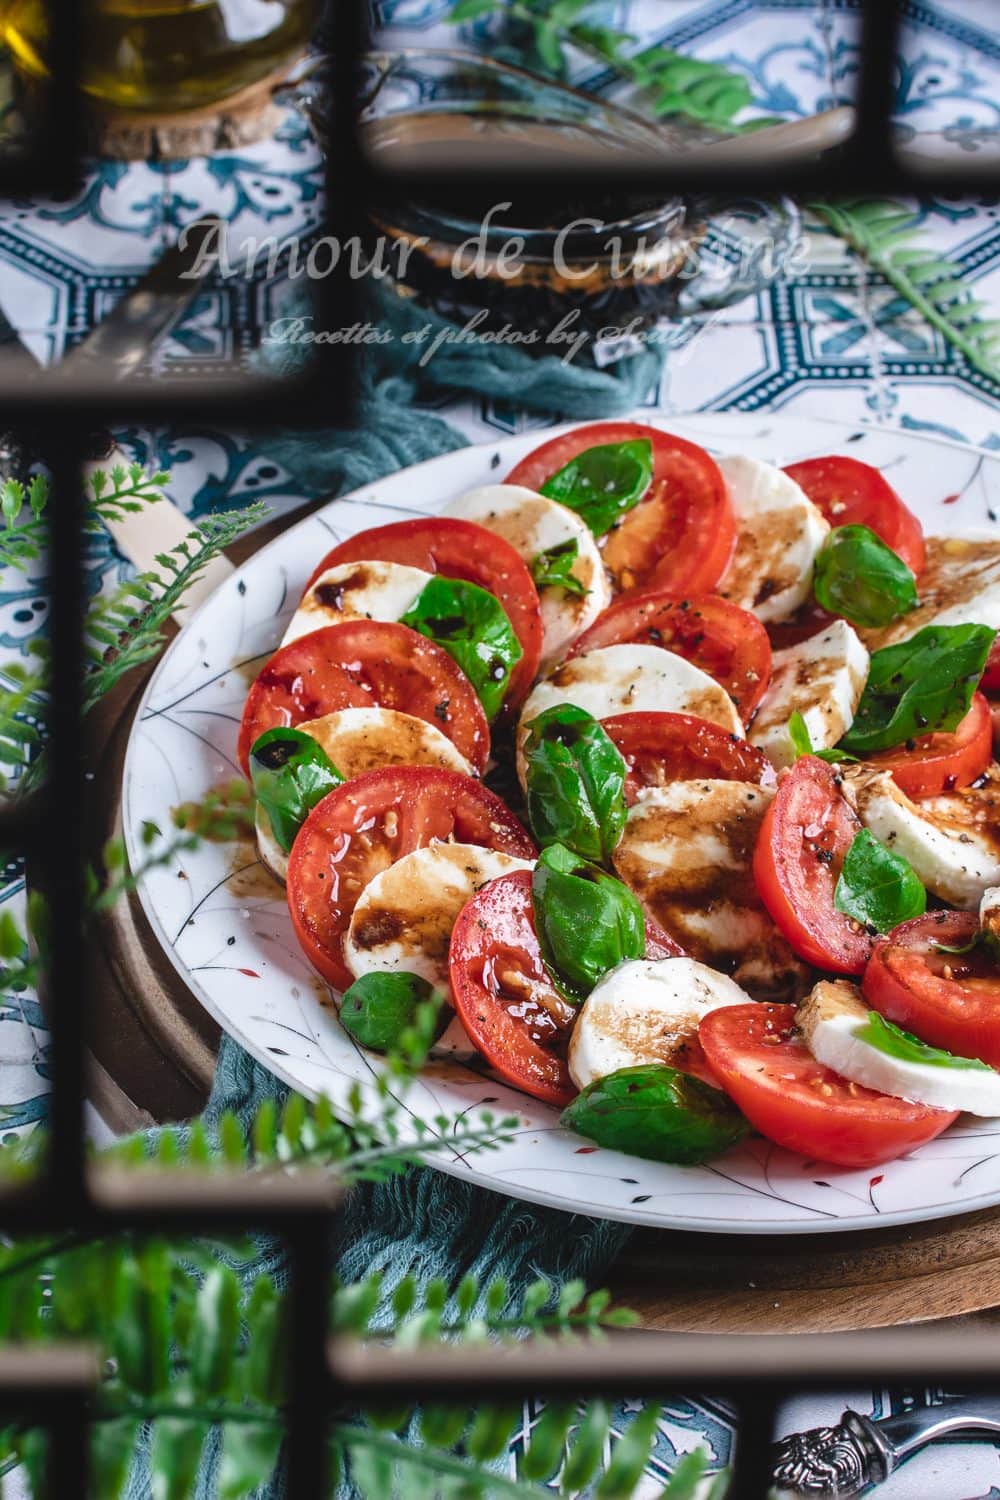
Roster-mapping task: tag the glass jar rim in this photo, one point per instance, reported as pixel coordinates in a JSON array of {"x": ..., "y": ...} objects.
[{"x": 611, "y": 123}]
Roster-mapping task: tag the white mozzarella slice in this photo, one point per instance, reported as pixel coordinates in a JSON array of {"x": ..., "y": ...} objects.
[
  {"x": 357, "y": 591},
  {"x": 272, "y": 856},
  {"x": 834, "y": 1020},
  {"x": 531, "y": 523},
  {"x": 404, "y": 917},
  {"x": 822, "y": 679},
  {"x": 778, "y": 534},
  {"x": 959, "y": 586},
  {"x": 952, "y": 842},
  {"x": 647, "y": 1011},
  {"x": 366, "y": 739},
  {"x": 687, "y": 853},
  {"x": 630, "y": 679}
]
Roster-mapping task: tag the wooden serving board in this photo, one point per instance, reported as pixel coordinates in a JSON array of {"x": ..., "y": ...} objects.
[{"x": 153, "y": 1054}]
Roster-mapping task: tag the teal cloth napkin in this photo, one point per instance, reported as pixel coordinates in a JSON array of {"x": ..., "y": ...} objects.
[
  {"x": 395, "y": 426},
  {"x": 426, "y": 1223}
]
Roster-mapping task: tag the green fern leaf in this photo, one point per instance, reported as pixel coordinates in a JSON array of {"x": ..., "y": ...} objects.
[
  {"x": 685, "y": 1482},
  {"x": 929, "y": 281},
  {"x": 404, "y": 1297},
  {"x": 493, "y": 1428},
  {"x": 249, "y": 1454},
  {"x": 214, "y": 1336},
  {"x": 174, "y": 1457},
  {"x": 586, "y": 1448},
  {"x": 33, "y": 1448},
  {"x": 141, "y": 1341},
  {"x": 372, "y": 1472},
  {"x": 442, "y": 1426},
  {"x": 112, "y": 1448},
  {"x": 543, "y": 1453},
  {"x": 265, "y": 1368},
  {"x": 231, "y": 1142},
  {"x": 264, "y": 1131},
  {"x": 355, "y": 1306},
  {"x": 630, "y": 1455}
]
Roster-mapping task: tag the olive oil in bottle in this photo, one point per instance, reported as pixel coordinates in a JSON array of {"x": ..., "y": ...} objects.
[{"x": 162, "y": 57}]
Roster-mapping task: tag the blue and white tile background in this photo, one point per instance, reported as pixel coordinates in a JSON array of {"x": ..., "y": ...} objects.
[{"x": 836, "y": 341}]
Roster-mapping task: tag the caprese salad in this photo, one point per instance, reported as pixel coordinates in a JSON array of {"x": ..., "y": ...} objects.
[{"x": 744, "y": 712}]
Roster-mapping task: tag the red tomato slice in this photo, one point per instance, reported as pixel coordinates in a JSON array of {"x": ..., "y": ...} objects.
[
  {"x": 365, "y": 664},
  {"x": 727, "y": 642},
  {"x": 990, "y": 682},
  {"x": 941, "y": 762},
  {"x": 660, "y": 944},
  {"x": 682, "y": 533},
  {"x": 660, "y": 748},
  {"x": 504, "y": 996},
  {"x": 363, "y": 827},
  {"x": 951, "y": 1000},
  {"x": 800, "y": 851},
  {"x": 850, "y": 493},
  {"x": 459, "y": 549},
  {"x": 800, "y": 1104}
]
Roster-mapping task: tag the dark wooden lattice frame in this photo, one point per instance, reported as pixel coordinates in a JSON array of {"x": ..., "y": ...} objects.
[{"x": 51, "y": 1386}]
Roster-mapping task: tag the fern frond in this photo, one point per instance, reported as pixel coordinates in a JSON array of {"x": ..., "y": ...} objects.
[
  {"x": 113, "y": 494},
  {"x": 709, "y": 93},
  {"x": 884, "y": 232},
  {"x": 23, "y": 711},
  {"x": 386, "y": 1467},
  {"x": 414, "y": 1314},
  {"x": 566, "y": 1446},
  {"x": 123, "y": 490},
  {"x": 125, "y": 629},
  {"x": 195, "y": 1349}
]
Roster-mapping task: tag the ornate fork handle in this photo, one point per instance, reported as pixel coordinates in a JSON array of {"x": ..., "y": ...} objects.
[{"x": 837, "y": 1462}]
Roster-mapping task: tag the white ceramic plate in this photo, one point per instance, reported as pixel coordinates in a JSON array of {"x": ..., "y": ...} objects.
[{"x": 225, "y": 926}]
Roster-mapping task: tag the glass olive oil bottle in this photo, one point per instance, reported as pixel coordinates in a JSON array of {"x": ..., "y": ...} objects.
[{"x": 162, "y": 57}]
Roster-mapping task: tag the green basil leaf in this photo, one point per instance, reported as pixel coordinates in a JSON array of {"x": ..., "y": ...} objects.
[
  {"x": 473, "y": 628},
  {"x": 656, "y": 1112},
  {"x": 602, "y": 483},
  {"x": 290, "y": 774},
  {"x": 587, "y": 921},
  {"x": 378, "y": 1008},
  {"x": 859, "y": 577},
  {"x": 798, "y": 733},
  {"x": 553, "y": 568},
  {"x": 876, "y": 887},
  {"x": 575, "y": 783},
  {"x": 920, "y": 686},
  {"x": 891, "y": 1039}
]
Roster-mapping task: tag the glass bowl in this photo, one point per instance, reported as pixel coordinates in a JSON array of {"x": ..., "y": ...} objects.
[{"x": 594, "y": 261}]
